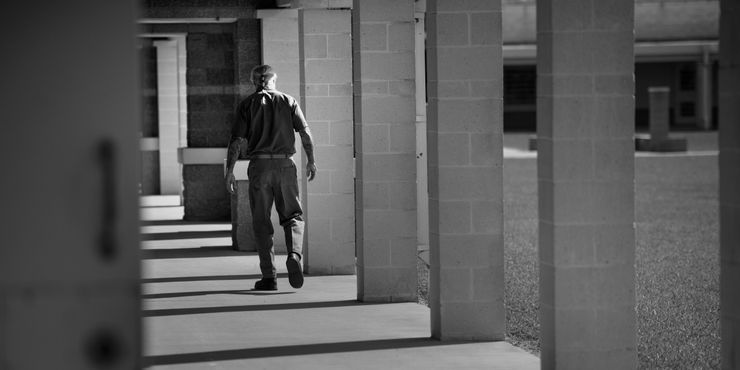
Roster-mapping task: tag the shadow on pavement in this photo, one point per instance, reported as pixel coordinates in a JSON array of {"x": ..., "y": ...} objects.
[
  {"x": 177, "y": 235},
  {"x": 176, "y": 279},
  {"x": 221, "y": 251},
  {"x": 295, "y": 350},
  {"x": 256, "y": 307},
  {"x": 207, "y": 292}
]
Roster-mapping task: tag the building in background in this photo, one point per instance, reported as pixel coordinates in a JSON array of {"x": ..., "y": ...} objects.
[{"x": 675, "y": 46}]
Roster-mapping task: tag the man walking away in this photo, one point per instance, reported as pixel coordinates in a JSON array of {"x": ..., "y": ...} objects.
[{"x": 265, "y": 123}]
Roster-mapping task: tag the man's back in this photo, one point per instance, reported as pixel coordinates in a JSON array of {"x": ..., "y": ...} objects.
[{"x": 268, "y": 120}]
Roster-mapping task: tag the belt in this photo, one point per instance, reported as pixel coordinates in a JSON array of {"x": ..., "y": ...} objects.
[{"x": 270, "y": 156}]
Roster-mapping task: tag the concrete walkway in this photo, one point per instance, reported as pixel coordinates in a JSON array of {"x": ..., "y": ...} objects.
[{"x": 199, "y": 312}]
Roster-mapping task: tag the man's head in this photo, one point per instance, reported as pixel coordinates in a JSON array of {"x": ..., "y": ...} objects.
[{"x": 263, "y": 77}]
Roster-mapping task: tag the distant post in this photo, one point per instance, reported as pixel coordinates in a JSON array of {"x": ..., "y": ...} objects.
[
  {"x": 659, "y": 108},
  {"x": 659, "y": 140}
]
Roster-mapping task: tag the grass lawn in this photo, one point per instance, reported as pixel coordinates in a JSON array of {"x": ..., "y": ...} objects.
[{"x": 677, "y": 259}]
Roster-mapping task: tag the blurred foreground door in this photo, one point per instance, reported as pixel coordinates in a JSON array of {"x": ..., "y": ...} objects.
[{"x": 69, "y": 263}]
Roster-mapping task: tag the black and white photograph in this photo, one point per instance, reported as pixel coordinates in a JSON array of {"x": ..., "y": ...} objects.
[{"x": 370, "y": 184}]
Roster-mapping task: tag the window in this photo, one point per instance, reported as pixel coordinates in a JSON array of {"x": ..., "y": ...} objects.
[
  {"x": 520, "y": 85},
  {"x": 687, "y": 79},
  {"x": 687, "y": 109}
]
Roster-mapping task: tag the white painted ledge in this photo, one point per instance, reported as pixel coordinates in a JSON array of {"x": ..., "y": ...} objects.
[
  {"x": 201, "y": 155},
  {"x": 211, "y": 156}
]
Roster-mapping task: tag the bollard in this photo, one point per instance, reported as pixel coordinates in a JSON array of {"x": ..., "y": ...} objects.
[
  {"x": 659, "y": 139},
  {"x": 659, "y": 112}
]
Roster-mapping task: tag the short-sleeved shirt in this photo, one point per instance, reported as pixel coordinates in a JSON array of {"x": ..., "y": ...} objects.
[{"x": 268, "y": 120}]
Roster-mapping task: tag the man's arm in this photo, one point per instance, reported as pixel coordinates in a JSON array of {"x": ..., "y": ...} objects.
[
  {"x": 232, "y": 155},
  {"x": 239, "y": 131},
  {"x": 307, "y": 142},
  {"x": 299, "y": 124}
]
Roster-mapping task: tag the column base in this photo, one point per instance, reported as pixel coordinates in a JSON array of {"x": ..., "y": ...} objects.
[{"x": 644, "y": 143}]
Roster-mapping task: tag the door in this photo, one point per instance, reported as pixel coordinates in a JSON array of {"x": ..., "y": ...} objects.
[{"x": 69, "y": 256}]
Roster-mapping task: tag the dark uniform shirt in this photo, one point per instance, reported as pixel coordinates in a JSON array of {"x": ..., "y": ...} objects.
[{"x": 268, "y": 120}]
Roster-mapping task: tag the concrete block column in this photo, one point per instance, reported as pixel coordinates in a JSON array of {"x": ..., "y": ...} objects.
[
  {"x": 168, "y": 101},
  {"x": 326, "y": 94},
  {"x": 385, "y": 149},
  {"x": 182, "y": 85},
  {"x": 248, "y": 45},
  {"x": 465, "y": 126},
  {"x": 280, "y": 47},
  {"x": 729, "y": 183},
  {"x": 585, "y": 123}
]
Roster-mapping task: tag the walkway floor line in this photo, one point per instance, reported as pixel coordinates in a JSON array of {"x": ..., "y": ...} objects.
[{"x": 201, "y": 313}]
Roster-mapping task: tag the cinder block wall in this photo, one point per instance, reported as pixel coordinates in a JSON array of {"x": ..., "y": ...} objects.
[
  {"x": 280, "y": 49},
  {"x": 585, "y": 170},
  {"x": 385, "y": 149},
  {"x": 148, "y": 76},
  {"x": 219, "y": 58},
  {"x": 197, "y": 8},
  {"x": 149, "y": 116},
  {"x": 211, "y": 101},
  {"x": 210, "y": 80},
  {"x": 326, "y": 57},
  {"x": 465, "y": 136}
]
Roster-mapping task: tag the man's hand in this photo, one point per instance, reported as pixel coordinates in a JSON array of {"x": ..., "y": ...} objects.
[
  {"x": 232, "y": 155},
  {"x": 231, "y": 183},
  {"x": 311, "y": 171}
]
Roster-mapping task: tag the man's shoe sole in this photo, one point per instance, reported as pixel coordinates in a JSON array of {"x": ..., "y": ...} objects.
[
  {"x": 265, "y": 289},
  {"x": 262, "y": 286},
  {"x": 295, "y": 272}
]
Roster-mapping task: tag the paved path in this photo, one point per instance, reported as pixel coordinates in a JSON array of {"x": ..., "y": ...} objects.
[{"x": 199, "y": 312}]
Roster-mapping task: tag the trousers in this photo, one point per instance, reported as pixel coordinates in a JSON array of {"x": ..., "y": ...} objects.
[{"x": 275, "y": 181}]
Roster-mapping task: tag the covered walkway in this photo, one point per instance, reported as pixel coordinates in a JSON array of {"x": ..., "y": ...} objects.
[{"x": 199, "y": 312}]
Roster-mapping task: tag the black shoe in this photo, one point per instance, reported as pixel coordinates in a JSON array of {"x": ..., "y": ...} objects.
[
  {"x": 266, "y": 284},
  {"x": 295, "y": 270}
]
